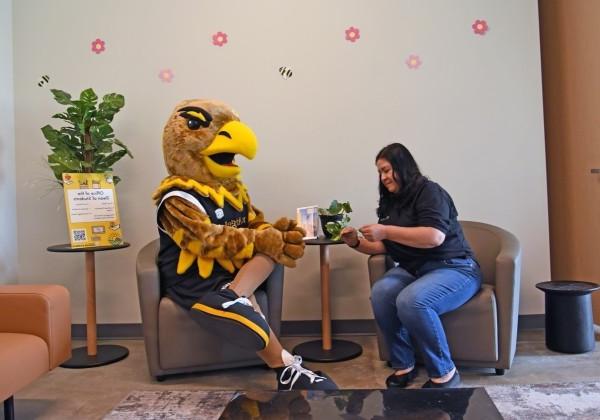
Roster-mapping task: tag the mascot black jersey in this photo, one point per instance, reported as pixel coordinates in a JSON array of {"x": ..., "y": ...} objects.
[{"x": 185, "y": 288}]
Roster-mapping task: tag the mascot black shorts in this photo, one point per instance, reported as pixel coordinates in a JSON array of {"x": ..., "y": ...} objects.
[{"x": 233, "y": 318}]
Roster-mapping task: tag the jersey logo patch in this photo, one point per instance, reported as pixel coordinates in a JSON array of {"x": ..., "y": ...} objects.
[{"x": 219, "y": 213}]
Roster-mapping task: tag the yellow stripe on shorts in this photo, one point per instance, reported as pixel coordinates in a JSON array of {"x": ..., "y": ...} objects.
[{"x": 223, "y": 314}]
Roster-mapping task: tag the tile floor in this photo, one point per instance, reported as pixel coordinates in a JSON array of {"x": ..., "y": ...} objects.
[{"x": 92, "y": 393}]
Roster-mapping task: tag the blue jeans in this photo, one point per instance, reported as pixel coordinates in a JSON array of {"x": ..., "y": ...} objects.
[{"x": 407, "y": 309}]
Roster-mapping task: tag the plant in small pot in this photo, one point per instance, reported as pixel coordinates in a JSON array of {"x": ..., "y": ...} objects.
[
  {"x": 334, "y": 218},
  {"x": 86, "y": 143}
]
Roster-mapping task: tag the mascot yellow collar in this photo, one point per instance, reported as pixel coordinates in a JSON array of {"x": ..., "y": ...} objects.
[{"x": 218, "y": 196}]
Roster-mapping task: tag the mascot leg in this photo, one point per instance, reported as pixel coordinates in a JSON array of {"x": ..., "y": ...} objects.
[
  {"x": 229, "y": 313},
  {"x": 233, "y": 318},
  {"x": 243, "y": 324},
  {"x": 289, "y": 371},
  {"x": 251, "y": 275}
]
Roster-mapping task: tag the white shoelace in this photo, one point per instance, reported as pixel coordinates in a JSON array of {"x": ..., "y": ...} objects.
[
  {"x": 243, "y": 300},
  {"x": 295, "y": 370}
]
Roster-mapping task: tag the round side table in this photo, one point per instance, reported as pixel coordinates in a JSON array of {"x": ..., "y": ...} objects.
[
  {"x": 92, "y": 355},
  {"x": 569, "y": 319},
  {"x": 326, "y": 350}
]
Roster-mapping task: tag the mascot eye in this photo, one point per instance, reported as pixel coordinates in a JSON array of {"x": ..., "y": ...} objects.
[{"x": 193, "y": 124}]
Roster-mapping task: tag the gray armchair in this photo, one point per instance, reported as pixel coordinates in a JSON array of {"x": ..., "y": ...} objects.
[
  {"x": 177, "y": 344},
  {"x": 482, "y": 332}
]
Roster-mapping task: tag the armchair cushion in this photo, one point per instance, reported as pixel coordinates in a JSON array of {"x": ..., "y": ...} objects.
[
  {"x": 23, "y": 359},
  {"x": 35, "y": 333},
  {"x": 40, "y": 310},
  {"x": 464, "y": 326}
]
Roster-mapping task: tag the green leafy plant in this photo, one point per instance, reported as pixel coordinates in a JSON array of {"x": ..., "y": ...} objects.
[
  {"x": 335, "y": 218},
  {"x": 85, "y": 143}
]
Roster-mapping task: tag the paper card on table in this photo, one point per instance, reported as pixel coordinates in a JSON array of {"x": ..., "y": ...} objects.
[
  {"x": 92, "y": 212},
  {"x": 308, "y": 218}
]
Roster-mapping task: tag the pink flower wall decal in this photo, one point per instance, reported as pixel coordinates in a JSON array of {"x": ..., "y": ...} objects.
[
  {"x": 352, "y": 34},
  {"x": 413, "y": 62},
  {"x": 98, "y": 46},
  {"x": 480, "y": 27},
  {"x": 219, "y": 39},
  {"x": 166, "y": 75}
]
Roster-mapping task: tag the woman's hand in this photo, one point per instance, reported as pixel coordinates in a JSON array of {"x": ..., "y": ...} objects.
[
  {"x": 349, "y": 235},
  {"x": 374, "y": 232}
]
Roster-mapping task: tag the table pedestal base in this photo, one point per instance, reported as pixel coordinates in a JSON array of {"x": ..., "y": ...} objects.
[
  {"x": 340, "y": 350},
  {"x": 569, "y": 323},
  {"x": 107, "y": 354}
]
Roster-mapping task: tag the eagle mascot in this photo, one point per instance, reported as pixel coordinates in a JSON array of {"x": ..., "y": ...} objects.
[{"x": 215, "y": 246}]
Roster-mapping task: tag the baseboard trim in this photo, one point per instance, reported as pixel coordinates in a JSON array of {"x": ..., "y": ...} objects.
[
  {"x": 532, "y": 322},
  {"x": 78, "y": 331},
  {"x": 288, "y": 328},
  {"x": 338, "y": 327}
]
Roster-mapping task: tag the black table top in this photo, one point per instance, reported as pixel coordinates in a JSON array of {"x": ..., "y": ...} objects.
[
  {"x": 568, "y": 287},
  {"x": 393, "y": 403},
  {"x": 322, "y": 241},
  {"x": 69, "y": 248}
]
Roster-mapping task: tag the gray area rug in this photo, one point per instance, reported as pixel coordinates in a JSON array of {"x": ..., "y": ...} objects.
[
  {"x": 167, "y": 405},
  {"x": 547, "y": 401},
  {"x": 515, "y": 402}
]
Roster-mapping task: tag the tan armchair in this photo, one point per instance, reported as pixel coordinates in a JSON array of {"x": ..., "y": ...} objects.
[
  {"x": 482, "y": 332},
  {"x": 175, "y": 343},
  {"x": 35, "y": 336}
]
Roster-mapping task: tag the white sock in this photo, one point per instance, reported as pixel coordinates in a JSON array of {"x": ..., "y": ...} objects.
[{"x": 287, "y": 358}]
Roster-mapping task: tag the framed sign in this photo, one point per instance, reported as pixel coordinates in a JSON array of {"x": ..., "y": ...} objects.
[
  {"x": 308, "y": 218},
  {"x": 92, "y": 212}
]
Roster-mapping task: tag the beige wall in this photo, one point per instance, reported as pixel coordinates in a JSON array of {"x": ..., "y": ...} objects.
[
  {"x": 472, "y": 114},
  {"x": 8, "y": 231}
]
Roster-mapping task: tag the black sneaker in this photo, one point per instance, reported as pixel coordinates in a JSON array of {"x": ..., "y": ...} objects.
[
  {"x": 233, "y": 318},
  {"x": 296, "y": 376}
]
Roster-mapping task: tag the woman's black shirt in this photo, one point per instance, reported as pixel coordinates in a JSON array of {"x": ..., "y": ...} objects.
[{"x": 429, "y": 206}]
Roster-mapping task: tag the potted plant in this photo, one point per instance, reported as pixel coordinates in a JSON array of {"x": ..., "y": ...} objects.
[
  {"x": 334, "y": 218},
  {"x": 85, "y": 143}
]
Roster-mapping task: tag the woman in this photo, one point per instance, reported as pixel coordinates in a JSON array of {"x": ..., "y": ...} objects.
[{"x": 435, "y": 270}]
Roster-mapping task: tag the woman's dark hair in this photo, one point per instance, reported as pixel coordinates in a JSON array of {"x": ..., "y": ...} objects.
[{"x": 407, "y": 175}]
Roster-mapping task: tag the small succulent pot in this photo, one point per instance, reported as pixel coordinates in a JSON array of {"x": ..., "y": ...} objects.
[{"x": 325, "y": 218}]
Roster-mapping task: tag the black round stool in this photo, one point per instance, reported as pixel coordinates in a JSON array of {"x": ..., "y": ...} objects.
[{"x": 569, "y": 319}]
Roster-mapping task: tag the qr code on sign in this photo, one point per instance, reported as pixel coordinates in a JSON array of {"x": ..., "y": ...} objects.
[{"x": 79, "y": 235}]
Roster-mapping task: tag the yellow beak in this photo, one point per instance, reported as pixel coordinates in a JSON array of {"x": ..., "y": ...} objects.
[{"x": 233, "y": 138}]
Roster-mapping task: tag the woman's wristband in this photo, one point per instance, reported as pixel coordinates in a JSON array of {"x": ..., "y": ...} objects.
[{"x": 357, "y": 244}]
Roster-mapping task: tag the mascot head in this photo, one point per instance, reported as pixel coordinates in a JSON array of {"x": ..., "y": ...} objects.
[{"x": 201, "y": 140}]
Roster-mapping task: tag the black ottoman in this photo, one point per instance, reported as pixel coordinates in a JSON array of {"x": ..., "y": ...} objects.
[{"x": 569, "y": 319}]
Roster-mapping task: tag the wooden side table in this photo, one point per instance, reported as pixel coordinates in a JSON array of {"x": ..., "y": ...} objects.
[
  {"x": 326, "y": 349},
  {"x": 92, "y": 355}
]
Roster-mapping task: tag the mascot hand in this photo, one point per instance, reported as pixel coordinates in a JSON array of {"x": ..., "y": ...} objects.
[
  {"x": 287, "y": 225},
  {"x": 293, "y": 237},
  {"x": 292, "y": 234},
  {"x": 272, "y": 243}
]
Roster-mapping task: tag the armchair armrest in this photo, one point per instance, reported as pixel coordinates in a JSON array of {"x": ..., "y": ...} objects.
[
  {"x": 40, "y": 310},
  {"x": 378, "y": 264},
  {"x": 507, "y": 290},
  {"x": 148, "y": 280}
]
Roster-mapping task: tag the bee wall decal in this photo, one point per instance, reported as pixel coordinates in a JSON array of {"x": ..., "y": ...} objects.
[
  {"x": 45, "y": 79},
  {"x": 285, "y": 72}
]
